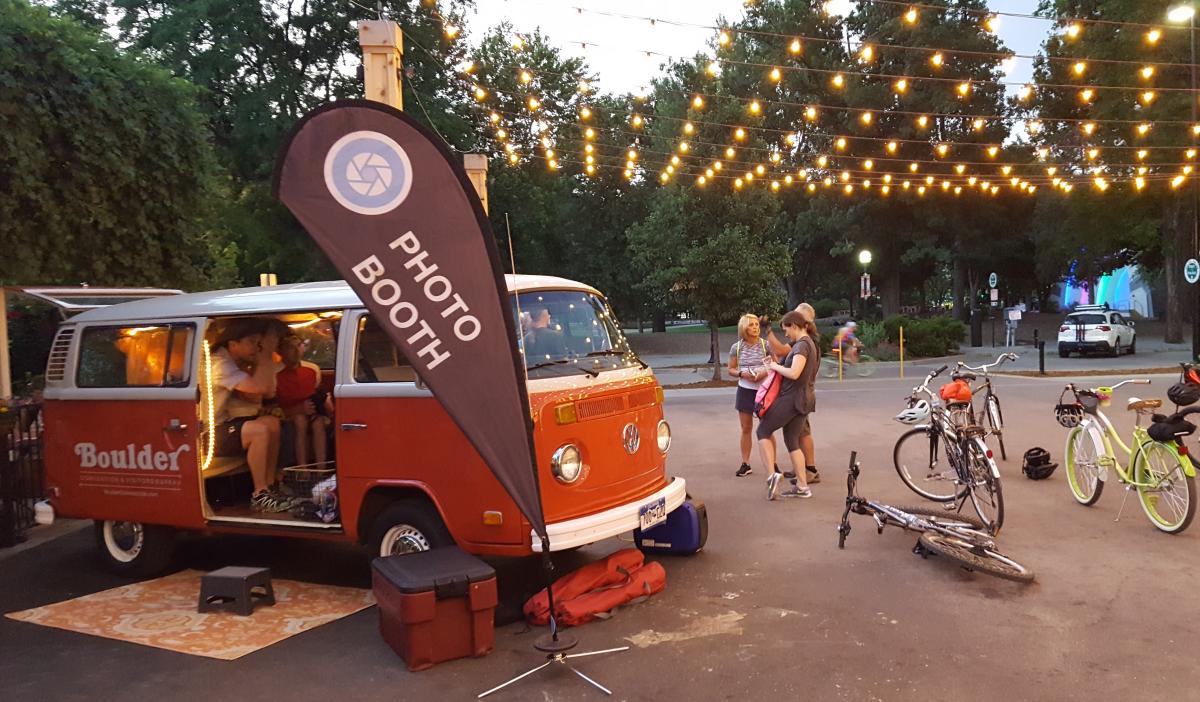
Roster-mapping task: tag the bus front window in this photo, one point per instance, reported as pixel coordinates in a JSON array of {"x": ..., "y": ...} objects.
[{"x": 569, "y": 329}]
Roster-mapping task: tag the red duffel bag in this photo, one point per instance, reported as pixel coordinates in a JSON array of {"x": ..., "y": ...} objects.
[
  {"x": 648, "y": 580},
  {"x": 613, "y": 570}
]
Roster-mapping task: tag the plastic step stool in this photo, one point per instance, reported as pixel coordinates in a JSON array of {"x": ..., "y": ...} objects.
[{"x": 232, "y": 589}]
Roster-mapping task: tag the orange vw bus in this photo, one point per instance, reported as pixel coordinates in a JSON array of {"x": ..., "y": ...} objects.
[{"x": 129, "y": 405}]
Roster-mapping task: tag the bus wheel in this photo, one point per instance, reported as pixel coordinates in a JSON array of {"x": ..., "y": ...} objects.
[
  {"x": 133, "y": 549},
  {"x": 407, "y": 526}
]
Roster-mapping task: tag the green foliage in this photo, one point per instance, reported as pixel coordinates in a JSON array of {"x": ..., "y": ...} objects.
[
  {"x": 871, "y": 334},
  {"x": 105, "y": 167},
  {"x": 935, "y": 336}
]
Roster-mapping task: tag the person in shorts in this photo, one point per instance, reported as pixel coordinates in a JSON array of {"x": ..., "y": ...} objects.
[
  {"x": 243, "y": 375},
  {"x": 781, "y": 350},
  {"x": 307, "y": 408},
  {"x": 747, "y": 362},
  {"x": 796, "y": 400}
]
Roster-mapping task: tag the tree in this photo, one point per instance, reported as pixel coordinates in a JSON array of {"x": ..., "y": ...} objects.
[
  {"x": 1117, "y": 150},
  {"x": 105, "y": 167}
]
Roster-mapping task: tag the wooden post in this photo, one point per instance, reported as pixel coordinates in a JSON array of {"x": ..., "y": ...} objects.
[
  {"x": 476, "y": 166},
  {"x": 382, "y": 45},
  {"x": 5, "y": 369},
  {"x": 901, "y": 352}
]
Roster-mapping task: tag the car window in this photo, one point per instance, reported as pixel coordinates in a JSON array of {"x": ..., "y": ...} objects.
[
  {"x": 145, "y": 356},
  {"x": 1086, "y": 319}
]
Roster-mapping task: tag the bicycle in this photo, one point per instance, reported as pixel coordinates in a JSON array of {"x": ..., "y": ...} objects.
[
  {"x": 946, "y": 460},
  {"x": 1162, "y": 472},
  {"x": 958, "y": 537},
  {"x": 863, "y": 368},
  {"x": 990, "y": 413}
]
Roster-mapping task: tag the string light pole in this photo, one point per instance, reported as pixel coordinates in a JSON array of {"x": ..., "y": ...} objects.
[{"x": 1181, "y": 14}]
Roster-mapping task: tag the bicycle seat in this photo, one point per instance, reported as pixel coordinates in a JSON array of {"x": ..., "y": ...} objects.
[
  {"x": 964, "y": 375},
  {"x": 1136, "y": 405}
]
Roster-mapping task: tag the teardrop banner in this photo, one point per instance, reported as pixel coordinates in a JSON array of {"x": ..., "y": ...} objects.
[{"x": 394, "y": 211}]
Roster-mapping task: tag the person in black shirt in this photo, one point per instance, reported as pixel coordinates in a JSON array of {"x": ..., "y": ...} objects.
[{"x": 796, "y": 400}]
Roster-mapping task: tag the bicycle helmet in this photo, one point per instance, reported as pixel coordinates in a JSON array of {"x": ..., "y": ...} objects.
[
  {"x": 1036, "y": 464},
  {"x": 1184, "y": 394},
  {"x": 916, "y": 413}
]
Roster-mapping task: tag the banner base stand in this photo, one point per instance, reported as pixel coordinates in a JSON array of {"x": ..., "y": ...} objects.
[{"x": 556, "y": 649}]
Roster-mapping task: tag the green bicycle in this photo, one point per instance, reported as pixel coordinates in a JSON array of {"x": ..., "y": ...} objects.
[{"x": 1160, "y": 471}]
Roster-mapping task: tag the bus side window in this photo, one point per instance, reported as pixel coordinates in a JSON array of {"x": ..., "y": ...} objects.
[
  {"x": 377, "y": 360},
  {"x": 150, "y": 356}
]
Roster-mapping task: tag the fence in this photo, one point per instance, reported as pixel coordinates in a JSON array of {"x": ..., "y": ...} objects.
[{"x": 22, "y": 470}]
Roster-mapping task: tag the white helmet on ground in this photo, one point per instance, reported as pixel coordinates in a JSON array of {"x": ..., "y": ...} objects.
[{"x": 915, "y": 414}]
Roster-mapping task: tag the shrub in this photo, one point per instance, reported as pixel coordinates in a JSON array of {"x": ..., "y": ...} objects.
[
  {"x": 825, "y": 307},
  {"x": 935, "y": 336},
  {"x": 871, "y": 334}
]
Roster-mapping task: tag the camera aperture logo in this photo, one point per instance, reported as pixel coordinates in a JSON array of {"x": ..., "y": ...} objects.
[{"x": 368, "y": 173}]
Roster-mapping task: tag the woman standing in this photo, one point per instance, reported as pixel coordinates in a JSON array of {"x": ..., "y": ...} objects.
[
  {"x": 795, "y": 402},
  {"x": 747, "y": 362}
]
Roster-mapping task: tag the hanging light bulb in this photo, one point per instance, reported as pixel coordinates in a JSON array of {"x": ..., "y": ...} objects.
[
  {"x": 911, "y": 16},
  {"x": 943, "y": 149},
  {"x": 697, "y": 102},
  {"x": 1051, "y": 170},
  {"x": 450, "y": 30},
  {"x": 1189, "y": 154},
  {"x": 585, "y": 113},
  {"x": 1006, "y": 170},
  {"x": 1088, "y": 128},
  {"x": 480, "y": 93},
  {"x": 978, "y": 124},
  {"x": 1142, "y": 154},
  {"x": 914, "y": 167},
  {"x": 526, "y": 77},
  {"x": 1139, "y": 182},
  {"x": 637, "y": 120},
  {"x": 792, "y": 139},
  {"x": 992, "y": 23},
  {"x": 683, "y": 147},
  {"x": 838, "y": 80},
  {"x": 729, "y": 152},
  {"x": 922, "y": 121},
  {"x": 1143, "y": 129},
  {"x": 866, "y": 117},
  {"x": 867, "y": 53},
  {"x": 795, "y": 47},
  {"x": 1086, "y": 95},
  {"x": 501, "y": 134},
  {"x": 1153, "y": 36},
  {"x": 1177, "y": 181},
  {"x": 810, "y": 113},
  {"x": 724, "y": 38},
  {"x": 688, "y": 128},
  {"x": 921, "y": 190},
  {"x": 1147, "y": 72},
  {"x": 1079, "y": 68},
  {"x": 755, "y": 107},
  {"x": 775, "y": 75},
  {"x": 776, "y": 157},
  {"x": 937, "y": 60},
  {"x": 1025, "y": 93},
  {"x": 822, "y": 161},
  {"x": 713, "y": 68},
  {"x": 868, "y": 164},
  {"x": 1147, "y": 97},
  {"x": 992, "y": 151},
  {"x": 632, "y": 154},
  {"x": 495, "y": 117},
  {"x": 841, "y": 143},
  {"x": 738, "y": 183},
  {"x": 1074, "y": 30},
  {"x": 900, "y": 86},
  {"x": 960, "y": 168},
  {"x": 1092, "y": 154},
  {"x": 845, "y": 176},
  {"x": 892, "y": 146},
  {"x": 739, "y": 134},
  {"x": 534, "y": 103},
  {"x": 589, "y": 134},
  {"x": 964, "y": 89}
]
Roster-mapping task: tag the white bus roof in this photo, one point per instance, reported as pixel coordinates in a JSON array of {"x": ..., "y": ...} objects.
[{"x": 296, "y": 297}]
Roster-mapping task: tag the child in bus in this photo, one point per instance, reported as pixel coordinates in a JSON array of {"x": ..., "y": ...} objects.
[{"x": 308, "y": 409}]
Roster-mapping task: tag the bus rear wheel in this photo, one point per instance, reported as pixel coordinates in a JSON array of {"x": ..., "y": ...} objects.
[
  {"x": 133, "y": 549},
  {"x": 407, "y": 526}
]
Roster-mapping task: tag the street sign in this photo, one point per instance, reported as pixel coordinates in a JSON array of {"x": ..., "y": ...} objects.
[
  {"x": 995, "y": 296},
  {"x": 1191, "y": 271},
  {"x": 993, "y": 280}
]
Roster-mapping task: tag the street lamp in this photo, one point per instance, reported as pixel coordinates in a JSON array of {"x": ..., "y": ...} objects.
[
  {"x": 1180, "y": 14},
  {"x": 864, "y": 257}
]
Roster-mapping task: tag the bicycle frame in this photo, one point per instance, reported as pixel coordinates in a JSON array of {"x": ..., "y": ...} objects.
[
  {"x": 1109, "y": 435},
  {"x": 986, "y": 385}
]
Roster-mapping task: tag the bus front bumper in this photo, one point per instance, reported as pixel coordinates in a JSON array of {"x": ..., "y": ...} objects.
[{"x": 602, "y": 525}]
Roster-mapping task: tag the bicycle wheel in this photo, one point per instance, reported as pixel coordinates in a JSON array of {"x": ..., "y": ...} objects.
[
  {"x": 974, "y": 556},
  {"x": 1170, "y": 498},
  {"x": 995, "y": 422},
  {"x": 941, "y": 517},
  {"x": 986, "y": 495},
  {"x": 865, "y": 366},
  {"x": 924, "y": 467},
  {"x": 829, "y": 367},
  {"x": 1084, "y": 472}
]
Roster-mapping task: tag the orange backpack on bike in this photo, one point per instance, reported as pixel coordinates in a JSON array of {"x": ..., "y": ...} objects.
[{"x": 956, "y": 391}]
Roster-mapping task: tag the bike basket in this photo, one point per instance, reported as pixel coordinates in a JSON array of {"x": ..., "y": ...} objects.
[{"x": 1088, "y": 401}]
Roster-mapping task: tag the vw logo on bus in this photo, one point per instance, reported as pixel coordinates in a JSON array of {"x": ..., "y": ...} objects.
[{"x": 631, "y": 438}]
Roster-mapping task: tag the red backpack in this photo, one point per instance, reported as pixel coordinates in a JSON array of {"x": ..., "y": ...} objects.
[{"x": 767, "y": 391}]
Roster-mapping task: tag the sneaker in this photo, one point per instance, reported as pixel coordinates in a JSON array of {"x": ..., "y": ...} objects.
[
  {"x": 270, "y": 501},
  {"x": 743, "y": 471},
  {"x": 812, "y": 476},
  {"x": 773, "y": 481},
  {"x": 796, "y": 491}
]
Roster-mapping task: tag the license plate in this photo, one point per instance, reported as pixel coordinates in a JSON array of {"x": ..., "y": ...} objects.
[{"x": 653, "y": 513}]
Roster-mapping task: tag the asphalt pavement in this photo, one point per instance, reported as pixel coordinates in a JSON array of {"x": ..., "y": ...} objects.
[{"x": 771, "y": 609}]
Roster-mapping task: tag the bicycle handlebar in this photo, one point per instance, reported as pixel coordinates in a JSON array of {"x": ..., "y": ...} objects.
[{"x": 985, "y": 368}]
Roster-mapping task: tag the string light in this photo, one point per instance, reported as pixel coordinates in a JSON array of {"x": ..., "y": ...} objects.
[
  {"x": 688, "y": 128},
  {"x": 480, "y": 93},
  {"x": 978, "y": 124},
  {"x": 1153, "y": 36},
  {"x": 755, "y": 107},
  {"x": 1025, "y": 93},
  {"x": 992, "y": 23},
  {"x": 534, "y": 103},
  {"x": 637, "y": 120},
  {"x": 697, "y": 102},
  {"x": 775, "y": 74},
  {"x": 526, "y": 77},
  {"x": 795, "y": 47},
  {"x": 992, "y": 151},
  {"x": 922, "y": 121},
  {"x": 810, "y": 113},
  {"x": 450, "y": 30},
  {"x": 901, "y": 85},
  {"x": 1074, "y": 30},
  {"x": 1147, "y": 97},
  {"x": 911, "y": 16},
  {"x": 1086, "y": 95},
  {"x": 724, "y": 38},
  {"x": 1079, "y": 68},
  {"x": 713, "y": 68},
  {"x": 937, "y": 59},
  {"x": 585, "y": 112},
  {"x": 866, "y": 117},
  {"x": 838, "y": 80},
  {"x": 867, "y": 53},
  {"x": 892, "y": 146},
  {"x": 739, "y": 134},
  {"x": 1147, "y": 72}
]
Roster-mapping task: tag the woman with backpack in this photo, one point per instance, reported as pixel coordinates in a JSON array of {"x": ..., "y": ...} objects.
[
  {"x": 748, "y": 358},
  {"x": 796, "y": 400}
]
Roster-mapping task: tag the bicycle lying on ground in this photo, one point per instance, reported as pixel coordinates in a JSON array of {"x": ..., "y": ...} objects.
[
  {"x": 958, "y": 537},
  {"x": 990, "y": 414},
  {"x": 1161, "y": 471},
  {"x": 945, "y": 460},
  {"x": 864, "y": 367}
]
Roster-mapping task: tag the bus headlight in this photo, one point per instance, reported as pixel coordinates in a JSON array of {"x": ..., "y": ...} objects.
[
  {"x": 566, "y": 464},
  {"x": 664, "y": 436}
]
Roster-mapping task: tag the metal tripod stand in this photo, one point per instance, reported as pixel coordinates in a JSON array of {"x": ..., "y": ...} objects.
[{"x": 555, "y": 646}]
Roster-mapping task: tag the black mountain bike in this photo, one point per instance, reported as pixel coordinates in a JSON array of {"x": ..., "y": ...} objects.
[
  {"x": 990, "y": 414},
  {"x": 958, "y": 537}
]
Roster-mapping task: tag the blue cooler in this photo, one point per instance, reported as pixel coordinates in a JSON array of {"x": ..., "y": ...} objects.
[{"x": 684, "y": 533}]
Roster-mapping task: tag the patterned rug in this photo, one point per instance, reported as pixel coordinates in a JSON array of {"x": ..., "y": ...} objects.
[{"x": 162, "y": 613}]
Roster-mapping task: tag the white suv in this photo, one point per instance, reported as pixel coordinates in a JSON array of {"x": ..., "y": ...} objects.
[{"x": 1092, "y": 328}]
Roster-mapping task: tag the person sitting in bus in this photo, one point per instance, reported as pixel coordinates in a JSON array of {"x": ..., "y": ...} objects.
[
  {"x": 307, "y": 408},
  {"x": 243, "y": 375},
  {"x": 543, "y": 340},
  {"x": 847, "y": 343}
]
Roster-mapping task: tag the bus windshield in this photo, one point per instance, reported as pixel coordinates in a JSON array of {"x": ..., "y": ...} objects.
[{"x": 565, "y": 332}]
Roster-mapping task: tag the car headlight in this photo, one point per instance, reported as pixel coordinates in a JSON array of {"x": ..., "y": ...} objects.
[
  {"x": 664, "y": 436},
  {"x": 566, "y": 464}
]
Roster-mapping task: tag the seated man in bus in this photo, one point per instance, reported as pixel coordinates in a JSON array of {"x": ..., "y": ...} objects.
[
  {"x": 243, "y": 376},
  {"x": 543, "y": 340}
]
